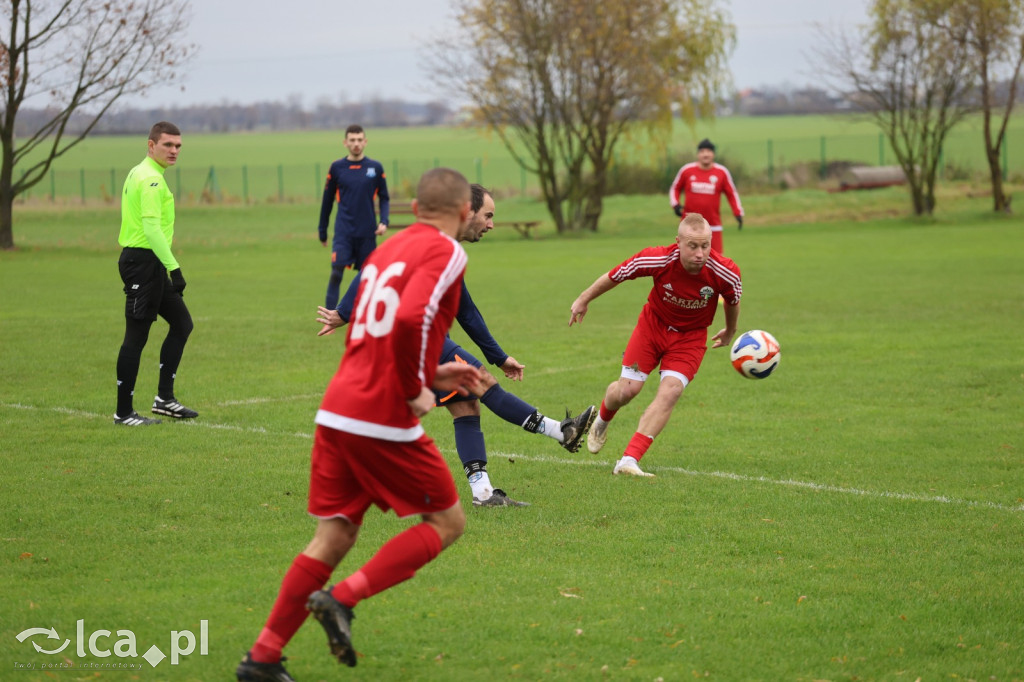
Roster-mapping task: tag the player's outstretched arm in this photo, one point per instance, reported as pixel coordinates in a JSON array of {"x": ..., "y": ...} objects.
[
  {"x": 512, "y": 369},
  {"x": 330, "y": 319},
  {"x": 724, "y": 336},
  {"x": 601, "y": 285}
]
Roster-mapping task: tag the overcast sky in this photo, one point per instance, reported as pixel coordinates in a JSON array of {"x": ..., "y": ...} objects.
[{"x": 259, "y": 50}]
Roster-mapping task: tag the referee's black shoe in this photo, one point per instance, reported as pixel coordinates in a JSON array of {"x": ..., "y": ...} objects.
[
  {"x": 134, "y": 419},
  {"x": 172, "y": 408}
]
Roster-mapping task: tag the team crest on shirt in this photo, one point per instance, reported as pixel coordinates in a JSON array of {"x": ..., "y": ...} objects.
[
  {"x": 706, "y": 293},
  {"x": 371, "y": 172}
]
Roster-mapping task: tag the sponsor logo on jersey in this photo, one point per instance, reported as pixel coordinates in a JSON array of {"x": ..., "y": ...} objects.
[
  {"x": 688, "y": 303},
  {"x": 669, "y": 286},
  {"x": 709, "y": 187}
]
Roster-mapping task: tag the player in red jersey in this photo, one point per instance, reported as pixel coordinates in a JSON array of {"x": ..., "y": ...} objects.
[
  {"x": 701, "y": 185},
  {"x": 689, "y": 276},
  {"x": 369, "y": 447}
]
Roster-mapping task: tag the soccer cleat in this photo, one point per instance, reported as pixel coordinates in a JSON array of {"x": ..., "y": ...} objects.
[
  {"x": 254, "y": 671},
  {"x": 596, "y": 438},
  {"x": 498, "y": 498},
  {"x": 172, "y": 408},
  {"x": 574, "y": 429},
  {"x": 336, "y": 619},
  {"x": 135, "y": 419},
  {"x": 629, "y": 469}
]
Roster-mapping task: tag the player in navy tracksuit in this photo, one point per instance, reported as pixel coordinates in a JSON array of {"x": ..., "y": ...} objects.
[
  {"x": 352, "y": 184},
  {"x": 469, "y": 439}
]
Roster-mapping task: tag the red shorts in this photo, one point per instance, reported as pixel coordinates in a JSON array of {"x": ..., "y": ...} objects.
[
  {"x": 653, "y": 344},
  {"x": 350, "y": 472}
]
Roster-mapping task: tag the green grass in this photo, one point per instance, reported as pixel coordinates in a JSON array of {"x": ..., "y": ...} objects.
[{"x": 857, "y": 516}]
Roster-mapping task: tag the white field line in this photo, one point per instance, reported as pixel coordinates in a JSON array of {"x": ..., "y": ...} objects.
[
  {"x": 790, "y": 483},
  {"x": 260, "y": 401}
]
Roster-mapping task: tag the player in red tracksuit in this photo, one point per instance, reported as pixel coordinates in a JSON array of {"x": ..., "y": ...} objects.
[
  {"x": 698, "y": 188},
  {"x": 672, "y": 331},
  {"x": 369, "y": 447}
]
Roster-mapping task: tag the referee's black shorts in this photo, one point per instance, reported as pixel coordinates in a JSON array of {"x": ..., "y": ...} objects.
[{"x": 146, "y": 283}]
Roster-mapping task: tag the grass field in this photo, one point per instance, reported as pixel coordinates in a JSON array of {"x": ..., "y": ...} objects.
[
  {"x": 857, "y": 516},
  {"x": 288, "y": 167}
]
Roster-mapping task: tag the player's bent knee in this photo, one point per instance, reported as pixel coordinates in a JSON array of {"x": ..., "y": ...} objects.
[
  {"x": 487, "y": 380},
  {"x": 629, "y": 389},
  {"x": 449, "y": 524},
  {"x": 465, "y": 408}
]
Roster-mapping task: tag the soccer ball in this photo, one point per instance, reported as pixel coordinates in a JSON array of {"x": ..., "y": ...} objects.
[{"x": 755, "y": 354}]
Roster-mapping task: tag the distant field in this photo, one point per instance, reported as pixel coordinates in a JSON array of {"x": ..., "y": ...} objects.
[{"x": 289, "y": 167}]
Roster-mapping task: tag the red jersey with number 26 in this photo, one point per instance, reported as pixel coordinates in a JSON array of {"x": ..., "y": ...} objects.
[
  {"x": 407, "y": 300},
  {"x": 679, "y": 300}
]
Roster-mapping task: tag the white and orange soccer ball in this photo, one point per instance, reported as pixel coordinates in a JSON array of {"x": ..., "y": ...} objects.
[{"x": 755, "y": 354}]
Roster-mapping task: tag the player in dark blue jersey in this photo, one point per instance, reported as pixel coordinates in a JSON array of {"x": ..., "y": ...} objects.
[
  {"x": 465, "y": 411},
  {"x": 352, "y": 183}
]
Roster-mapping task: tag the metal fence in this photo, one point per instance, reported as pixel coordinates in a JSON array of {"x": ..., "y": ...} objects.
[{"x": 752, "y": 162}]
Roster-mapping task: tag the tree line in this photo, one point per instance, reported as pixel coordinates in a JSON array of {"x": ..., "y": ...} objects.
[
  {"x": 559, "y": 82},
  {"x": 257, "y": 116}
]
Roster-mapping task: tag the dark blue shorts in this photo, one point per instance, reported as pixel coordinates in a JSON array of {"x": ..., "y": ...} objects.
[
  {"x": 453, "y": 352},
  {"x": 351, "y": 251}
]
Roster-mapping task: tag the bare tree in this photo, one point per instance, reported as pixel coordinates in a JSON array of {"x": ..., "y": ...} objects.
[
  {"x": 992, "y": 32},
  {"x": 76, "y": 57},
  {"x": 911, "y": 79},
  {"x": 561, "y": 82}
]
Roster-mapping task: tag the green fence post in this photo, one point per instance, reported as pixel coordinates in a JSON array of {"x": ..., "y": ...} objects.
[
  {"x": 113, "y": 179},
  {"x": 81, "y": 182},
  {"x": 53, "y": 186},
  {"x": 824, "y": 164},
  {"x": 437, "y": 162},
  {"x": 522, "y": 182},
  {"x": 177, "y": 181},
  {"x": 479, "y": 170},
  {"x": 771, "y": 164},
  {"x": 881, "y": 149},
  {"x": 280, "y": 182},
  {"x": 394, "y": 173}
]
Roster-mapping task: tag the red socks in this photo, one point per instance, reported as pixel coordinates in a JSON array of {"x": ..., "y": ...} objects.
[
  {"x": 605, "y": 413},
  {"x": 395, "y": 562},
  {"x": 638, "y": 445},
  {"x": 306, "y": 575}
]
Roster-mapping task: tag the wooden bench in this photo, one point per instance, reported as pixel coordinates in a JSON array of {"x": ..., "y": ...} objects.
[
  {"x": 403, "y": 208},
  {"x": 523, "y": 227},
  {"x": 399, "y": 208}
]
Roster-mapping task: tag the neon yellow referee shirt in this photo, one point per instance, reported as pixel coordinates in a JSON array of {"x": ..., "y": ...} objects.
[{"x": 147, "y": 212}]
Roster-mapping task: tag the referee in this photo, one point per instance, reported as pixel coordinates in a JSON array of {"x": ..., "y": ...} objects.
[{"x": 153, "y": 283}]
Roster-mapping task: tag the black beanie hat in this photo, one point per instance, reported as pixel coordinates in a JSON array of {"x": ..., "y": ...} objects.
[{"x": 705, "y": 144}]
